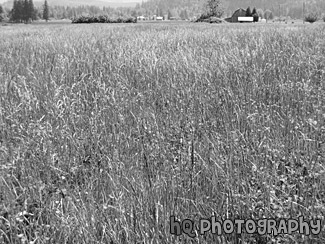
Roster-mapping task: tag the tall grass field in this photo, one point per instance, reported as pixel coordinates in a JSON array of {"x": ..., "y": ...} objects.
[{"x": 106, "y": 131}]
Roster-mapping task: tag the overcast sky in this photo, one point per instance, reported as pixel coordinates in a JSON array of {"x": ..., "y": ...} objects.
[{"x": 112, "y": 1}]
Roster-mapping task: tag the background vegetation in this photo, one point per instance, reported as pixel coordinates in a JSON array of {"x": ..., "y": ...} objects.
[
  {"x": 107, "y": 131},
  {"x": 102, "y": 19},
  {"x": 173, "y": 9}
]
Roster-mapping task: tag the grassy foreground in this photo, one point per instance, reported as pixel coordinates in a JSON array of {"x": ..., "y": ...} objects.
[{"x": 107, "y": 131}]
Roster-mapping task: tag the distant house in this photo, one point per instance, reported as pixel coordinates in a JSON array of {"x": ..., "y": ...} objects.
[
  {"x": 141, "y": 18},
  {"x": 159, "y": 18},
  {"x": 238, "y": 13}
]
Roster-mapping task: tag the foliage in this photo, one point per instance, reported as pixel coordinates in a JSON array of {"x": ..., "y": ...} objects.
[
  {"x": 169, "y": 14},
  {"x": 32, "y": 10},
  {"x": 268, "y": 15},
  {"x": 294, "y": 7},
  {"x": 1, "y": 13},
  {"x": 107, "y": 131},
  {"x": 311, "y": 17},
  {"x": 183, "y": 15},
  {"x": 214, "y": 8},
  {"x": 260, "y": 13},
  {"x": 23, "y": 11},
  {"x": 46, "y": 11},
  {"x": 255, "y": 15},
  {"x": 248, "y": 12},
  {"x": 102, "y": 19}
]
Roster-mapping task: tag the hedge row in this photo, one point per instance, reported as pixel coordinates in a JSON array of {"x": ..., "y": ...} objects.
[{"x": 102, "y": 19}]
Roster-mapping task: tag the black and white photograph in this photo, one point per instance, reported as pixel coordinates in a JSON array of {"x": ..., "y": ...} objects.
[{"x": 162, "y": 121}]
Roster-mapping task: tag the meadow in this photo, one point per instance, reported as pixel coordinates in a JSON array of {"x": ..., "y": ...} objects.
[{"x": 108, "y": 130}]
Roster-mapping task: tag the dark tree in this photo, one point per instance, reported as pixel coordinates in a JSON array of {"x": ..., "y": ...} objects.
[
  {"x": 254, "y": 11},
  {"x": 248, "y": 12},
  {"x": 46, "y": 11},
  {"x": 32, "y": 11},
  {"x": 255, "y": 15},
  {"x": 17, "y": 11},
  {"x": 25, "y": 12},
  {"x": 1, "y": 13}
]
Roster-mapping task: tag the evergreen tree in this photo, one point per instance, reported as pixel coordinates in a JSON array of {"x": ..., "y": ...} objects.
[
  {"x": 248, "y": 12},
  {"x": 25, "y": 12},
  {"x": 254, "y": 11},
  {"x": 255, "y": 15},
  {"x": 17, "y": 11},
  {"x": 31, "y": 10},
  {"x": 1, "y": 13},
  {"x": 46, "y": 11}
]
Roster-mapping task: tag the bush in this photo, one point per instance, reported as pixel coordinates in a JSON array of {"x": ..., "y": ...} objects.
[
  {"x": 216, "y": 20},
  {"x": 311, "y": 17},
  {"x": 102, "y": 19},
  {"x": 209, "y": 19}
]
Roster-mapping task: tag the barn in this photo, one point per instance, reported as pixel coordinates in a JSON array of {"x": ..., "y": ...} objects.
[{"x": 238, "y": 13}]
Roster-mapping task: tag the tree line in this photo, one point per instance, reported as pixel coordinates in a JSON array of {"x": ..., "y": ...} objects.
[
  {"x": 20, "y": 12},
  {"x": 24, "y": 11}
]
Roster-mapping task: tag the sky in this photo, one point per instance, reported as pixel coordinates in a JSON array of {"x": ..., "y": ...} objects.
[{"x": 112, "y": 1}]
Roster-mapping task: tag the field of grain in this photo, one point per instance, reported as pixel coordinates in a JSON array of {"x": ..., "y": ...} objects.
[{"x": 108, "y": 130}]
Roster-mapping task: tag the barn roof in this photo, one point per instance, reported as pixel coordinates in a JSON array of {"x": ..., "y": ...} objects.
[{"x": 240, "y": 9}]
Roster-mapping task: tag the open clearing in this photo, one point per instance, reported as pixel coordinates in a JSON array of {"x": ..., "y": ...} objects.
[{"x": 108, "y": 130}]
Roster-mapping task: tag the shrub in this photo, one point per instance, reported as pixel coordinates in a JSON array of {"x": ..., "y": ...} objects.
[
  {"x": 311, "y": 17},
  {"x": 216, "y": 20},
  {"x": 209, "y": 19},
  {"x": 102, "y": 19}
]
